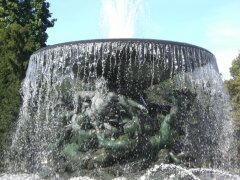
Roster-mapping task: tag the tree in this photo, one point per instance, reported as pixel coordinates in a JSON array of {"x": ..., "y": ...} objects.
[
  {"x": 233, "y": 86},
  {"x": 23, "y": 25},
  {"x": 15, "y": 48},
  {"x": 235, "y": 69},
  {"x": 32, "y": 14}
]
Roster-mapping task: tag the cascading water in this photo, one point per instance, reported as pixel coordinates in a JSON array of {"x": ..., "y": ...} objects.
[{"x": 109, "y": 108}]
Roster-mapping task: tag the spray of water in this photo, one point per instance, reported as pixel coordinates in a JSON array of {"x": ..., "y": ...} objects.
[
  {"x": 48, "y": 70},
  {"x": 119, "y": 17}
]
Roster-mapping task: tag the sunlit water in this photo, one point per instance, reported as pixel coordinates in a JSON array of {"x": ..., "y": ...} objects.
[
  {"x": 53, "y": 68},
  {"x": 161, "y": 171}
]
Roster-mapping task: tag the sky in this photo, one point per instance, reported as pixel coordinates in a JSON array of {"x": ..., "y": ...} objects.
[{"x": 211, "y": 24}]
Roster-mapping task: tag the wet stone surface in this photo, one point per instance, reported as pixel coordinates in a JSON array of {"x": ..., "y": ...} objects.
[
  {"x": 110, "y": 128},
  {"x": 111, "y": 107}
]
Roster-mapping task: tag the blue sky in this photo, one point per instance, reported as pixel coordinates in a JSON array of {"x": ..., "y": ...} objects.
[{"x": 212, "y": 24}]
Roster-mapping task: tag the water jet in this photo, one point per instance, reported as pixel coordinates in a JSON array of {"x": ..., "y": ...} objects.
[{"x": 114, "y": 107}]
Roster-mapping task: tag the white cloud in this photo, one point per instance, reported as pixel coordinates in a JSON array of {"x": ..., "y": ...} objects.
[
  {"x": 223, "y": 37},
  {"x": 224, "y": 34},
  {"x": 224, "y": 60}
]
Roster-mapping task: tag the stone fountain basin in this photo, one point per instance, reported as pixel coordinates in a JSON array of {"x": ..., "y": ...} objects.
[
  {"x": 129, "y": 64},
  {"x": 113, "y": 103}
]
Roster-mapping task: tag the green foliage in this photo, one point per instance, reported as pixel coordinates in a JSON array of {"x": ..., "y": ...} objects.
[
  {"x": 15, "y": 48},
  {"x": 235, "y": 69},
  {"x": 23, "y": 25},
  {"x": 233, "y": 86},
  {"x": 32, "y": 14}
]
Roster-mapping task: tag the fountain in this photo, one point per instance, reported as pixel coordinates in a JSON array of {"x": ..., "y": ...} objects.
[{"x": 116, "y": 107}]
